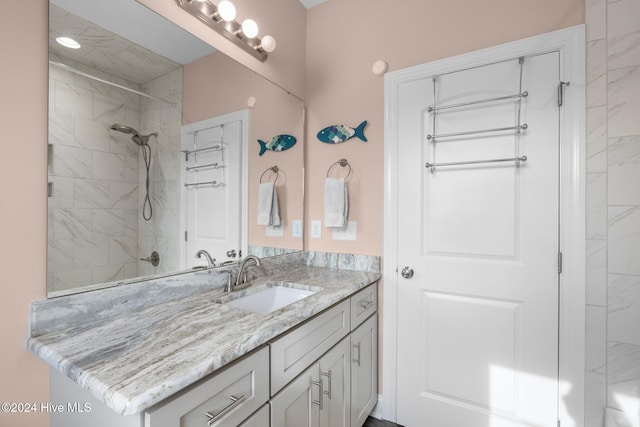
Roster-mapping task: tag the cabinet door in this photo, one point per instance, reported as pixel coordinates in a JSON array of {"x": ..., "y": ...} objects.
[
  {"x": 335, "y": 386},
  {"x": 364, "y": 370},
  {"x": 259, "y": 419},
  {"x": 297, "y": 404},
  {"x": 298, "y": 349}
]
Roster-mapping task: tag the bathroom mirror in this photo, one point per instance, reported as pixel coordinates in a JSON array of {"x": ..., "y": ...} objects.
[{"x": 117, "y": 167}]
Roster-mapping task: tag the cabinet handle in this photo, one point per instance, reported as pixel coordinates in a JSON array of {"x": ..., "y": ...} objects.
[
  {"x": 235, "y": 401},
  {"x": 365, "y": 304},
  {"x": 320, "y": 401},
  {"x": 328, "y": 375},
  {"x": 357, "y": 347}
]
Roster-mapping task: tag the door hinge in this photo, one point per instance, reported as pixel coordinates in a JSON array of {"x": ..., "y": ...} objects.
[
  {"x": 185, "y": 236},
  {"x": 558, "y": 423},
  {"x": 561, "y": 92},
  {"x": 559, "y": 262}
]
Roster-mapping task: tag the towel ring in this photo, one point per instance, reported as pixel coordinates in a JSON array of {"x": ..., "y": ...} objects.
[
  {"x": 343, "y": 163},
  {"x": 273, "y": 169}
]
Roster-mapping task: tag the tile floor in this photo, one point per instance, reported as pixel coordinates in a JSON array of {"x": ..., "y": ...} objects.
[{"x": 373, "y": 422}]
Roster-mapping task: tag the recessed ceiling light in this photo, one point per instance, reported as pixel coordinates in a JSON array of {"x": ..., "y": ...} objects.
[{"x": 68, "y": 42}]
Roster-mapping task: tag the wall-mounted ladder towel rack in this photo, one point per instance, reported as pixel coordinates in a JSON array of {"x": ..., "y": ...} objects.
[{"x": 432, "y": 166}]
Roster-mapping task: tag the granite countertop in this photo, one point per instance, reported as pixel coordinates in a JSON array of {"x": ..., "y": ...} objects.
[{"x": 137, "y": 358}]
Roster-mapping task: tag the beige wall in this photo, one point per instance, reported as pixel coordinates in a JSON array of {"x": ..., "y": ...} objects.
[
  {"x": 344, "y": 39},
  {"x": 23, "y": 177},
  {"x": 216, "y": 85}
]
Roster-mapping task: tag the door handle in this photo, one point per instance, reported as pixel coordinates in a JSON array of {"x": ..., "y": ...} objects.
[{"x": 407, "y": 272}]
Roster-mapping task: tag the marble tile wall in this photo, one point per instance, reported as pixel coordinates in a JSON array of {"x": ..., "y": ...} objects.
[
  {"x": 613, "y": 214},
  {"x": 96, "y": 231},
  {"x": 162, "y": 232}
]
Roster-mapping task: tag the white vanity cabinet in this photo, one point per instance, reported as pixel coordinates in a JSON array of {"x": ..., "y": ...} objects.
[
  {"x": 319, "y": 397},
  {"x": 339, "y": 388},
  {"x": 364, "y": 370},
  {"x": 295, "y": 351}
]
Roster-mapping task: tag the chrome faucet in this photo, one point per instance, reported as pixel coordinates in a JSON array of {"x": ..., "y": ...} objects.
[
  {"x": 211, "y": 262},
  {"x": 241, "y": 280}
]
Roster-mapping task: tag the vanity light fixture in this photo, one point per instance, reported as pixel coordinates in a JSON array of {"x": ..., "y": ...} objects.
[
  {"x": 221, "y": 18},
  {"x": 68, "y": 42}
]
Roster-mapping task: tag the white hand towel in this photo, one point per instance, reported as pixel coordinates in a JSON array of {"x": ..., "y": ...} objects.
[
  {"x": 275, "y": 211},
  {"x": 268, "y": 212},
  {"x": 336, "y": 206}
]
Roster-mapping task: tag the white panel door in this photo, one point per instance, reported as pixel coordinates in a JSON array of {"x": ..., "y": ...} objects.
[
  {"x": 478, "y": 321},
  {"x": 213, "y": 205}
]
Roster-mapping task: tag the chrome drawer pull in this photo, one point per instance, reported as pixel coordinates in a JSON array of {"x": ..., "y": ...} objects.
[
  {"x": 320, "y": 401},
  {"x": 365, "y": 304},
  {"x": 328, "y": 375},
  {"x": 235, "y": 401},
  {"x": 357, "y": 347}
]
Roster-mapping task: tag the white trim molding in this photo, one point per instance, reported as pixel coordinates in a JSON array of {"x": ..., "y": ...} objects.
[{"x": 570, "y": 43}]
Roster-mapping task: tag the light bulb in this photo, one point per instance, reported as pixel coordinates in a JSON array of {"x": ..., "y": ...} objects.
[
  {"x": 268, "y": 43},
  {"x": 68, "y": 42},
  {"x": 250, "y": 28},
  {"x": 227, "y": 10}
]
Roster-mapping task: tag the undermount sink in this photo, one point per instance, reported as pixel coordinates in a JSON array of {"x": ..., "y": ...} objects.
[{"x": 269, "y": 298}]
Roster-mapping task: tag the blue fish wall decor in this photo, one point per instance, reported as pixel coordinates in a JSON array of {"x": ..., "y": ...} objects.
[
  {"x": 336, "y": 134},
  {"x": 277, "y": 143}
]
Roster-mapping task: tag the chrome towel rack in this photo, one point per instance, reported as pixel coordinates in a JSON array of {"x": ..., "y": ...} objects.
[
  {"x": 192, "y": 185},
  {"x": 519, "y": 128},
  {"x": 343, "y": 163},
  {"x": 215, "y": 165},
  {"x": 213, "y": 147},
  {"x": 275, "y": 169},
  {"x": 218, "y": 145},
  {"x": 480, "y": 101},
  {"x": 474, "y": 162}
]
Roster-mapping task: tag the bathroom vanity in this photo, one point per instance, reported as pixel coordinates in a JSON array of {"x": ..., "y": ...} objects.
[{"x": 198, "y": 360}]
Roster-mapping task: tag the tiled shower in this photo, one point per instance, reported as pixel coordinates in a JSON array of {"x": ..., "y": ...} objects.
[
  {"x": 613, "y": 214},
  {"x": 96, "y": 230}
]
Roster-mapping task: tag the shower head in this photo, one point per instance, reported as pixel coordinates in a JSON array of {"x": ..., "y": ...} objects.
[{"x": 137, "y": 138}]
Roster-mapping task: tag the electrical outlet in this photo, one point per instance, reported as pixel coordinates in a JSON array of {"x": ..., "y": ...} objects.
[
  {"x": 296, "y": 228},
  {"x": 347, "y": 233},
  {"x": 316, "y": 229}
]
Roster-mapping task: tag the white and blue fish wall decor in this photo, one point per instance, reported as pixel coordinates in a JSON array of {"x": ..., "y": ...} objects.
[
  {"x": 277, "y": 143},
  {"x": 335, "y": 134}
]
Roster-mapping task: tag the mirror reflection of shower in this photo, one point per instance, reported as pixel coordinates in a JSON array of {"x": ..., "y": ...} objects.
[{"x": 143, "y": 142}]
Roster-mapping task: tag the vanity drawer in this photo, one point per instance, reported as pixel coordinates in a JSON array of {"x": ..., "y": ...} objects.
[
  {"x": 363, "y": 305},
  {"x": 228, "y": 397},
  {"x": 297, "y": 350}
]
